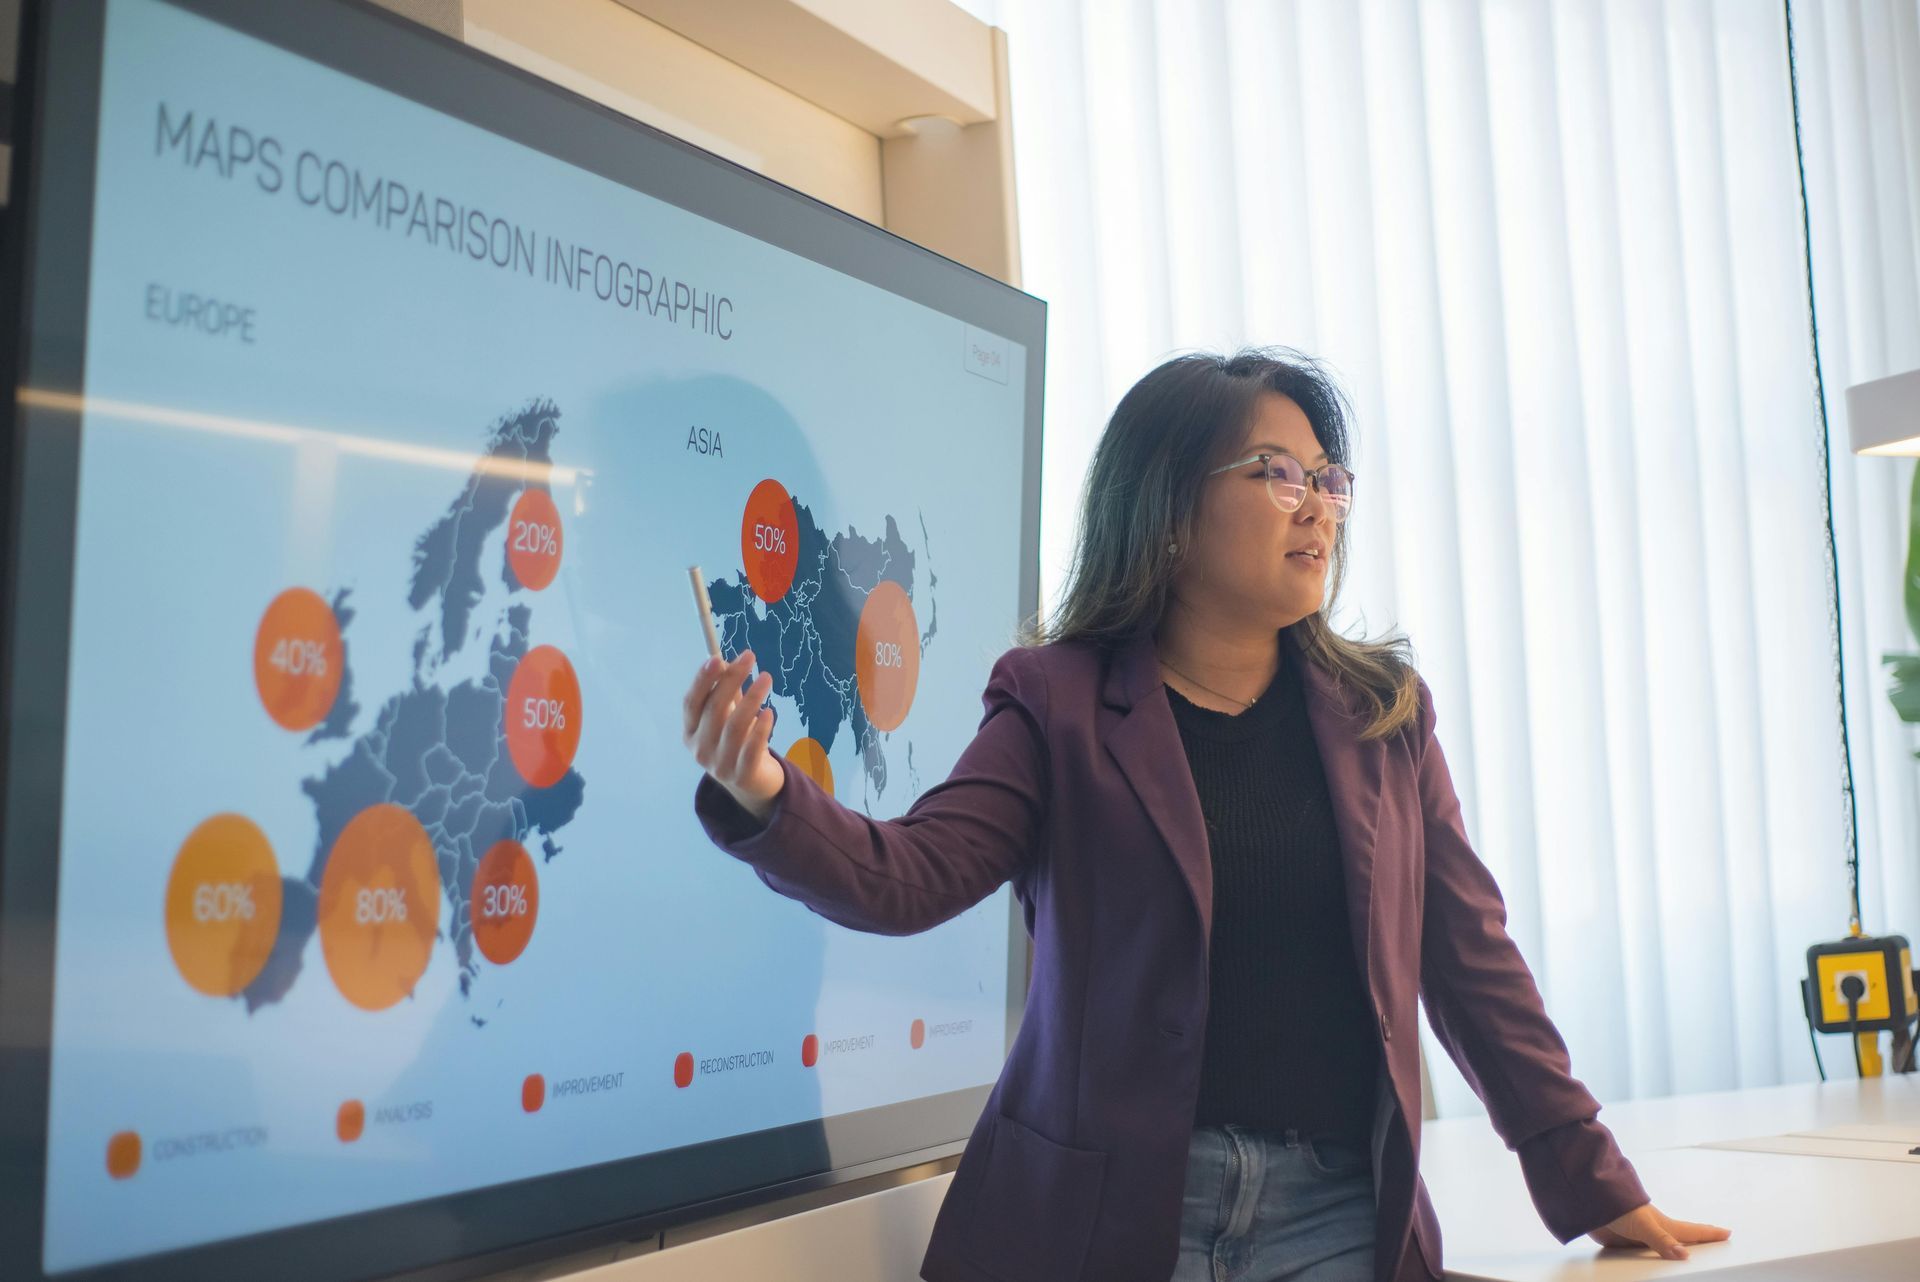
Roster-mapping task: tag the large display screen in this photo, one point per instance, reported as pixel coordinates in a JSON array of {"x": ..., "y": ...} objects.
[{"x": 372, "y": 401}]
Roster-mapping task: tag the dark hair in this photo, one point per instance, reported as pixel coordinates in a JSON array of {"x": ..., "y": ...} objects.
[{"x": 1172, "y": 428}]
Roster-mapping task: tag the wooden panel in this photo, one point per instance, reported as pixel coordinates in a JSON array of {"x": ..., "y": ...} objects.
[
  {"x": 950, "y": 187},
  {"x": 605, "y": 51},
  {"x": 873, "y": 62}
]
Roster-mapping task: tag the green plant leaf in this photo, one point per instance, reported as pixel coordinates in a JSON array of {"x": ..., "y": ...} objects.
[{"x": 1904, "y": 693}]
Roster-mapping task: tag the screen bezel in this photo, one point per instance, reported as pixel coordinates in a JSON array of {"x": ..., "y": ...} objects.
[{"x": 48, "y": 237}]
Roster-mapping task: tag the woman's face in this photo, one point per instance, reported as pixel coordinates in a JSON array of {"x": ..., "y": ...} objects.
[{"x": 1250, "y": 560}]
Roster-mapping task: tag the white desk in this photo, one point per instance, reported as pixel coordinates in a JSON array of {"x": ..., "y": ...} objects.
[{"x": 1842, "y": 1202}]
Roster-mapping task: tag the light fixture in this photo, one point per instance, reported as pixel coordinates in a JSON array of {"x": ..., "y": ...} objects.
[{"x": 1883, "y": 416}]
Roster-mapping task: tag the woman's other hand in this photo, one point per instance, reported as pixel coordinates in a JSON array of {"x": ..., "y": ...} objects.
[
  {"x": 1646, "y": 1226},
  {"x": 727, "y": 732}
]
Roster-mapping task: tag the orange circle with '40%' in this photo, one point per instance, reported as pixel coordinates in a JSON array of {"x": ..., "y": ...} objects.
[
  {"x": 223, "y": 905},
  {"x": 543, "y": 716},
  {"x": 886, "y": 655},
  {"x": 504, "y": 901},
  {"x": 379, "y": 906},
  {"x": 811, "y": 758},
  {"x": 297, "y": 658},
  {"x": 770, "y": 540},
  {"x": 534, "y": 539}
]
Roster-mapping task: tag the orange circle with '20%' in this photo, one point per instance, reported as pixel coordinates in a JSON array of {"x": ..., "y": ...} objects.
[
  {"x": 379, "y": 906},
  {"x": 534, "y": 539}
]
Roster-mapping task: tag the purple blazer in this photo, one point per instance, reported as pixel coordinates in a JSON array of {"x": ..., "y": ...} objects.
[{"x": 1076, "y": 788}]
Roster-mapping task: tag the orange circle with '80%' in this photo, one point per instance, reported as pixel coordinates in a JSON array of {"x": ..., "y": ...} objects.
[
  {"x": 379, "y": 906},
  {"x": 543, "y": 716},
  {"x": 223, "y": 905},
  {"x": 297, "y": 659},
  {"x": 886, "y": 655}
]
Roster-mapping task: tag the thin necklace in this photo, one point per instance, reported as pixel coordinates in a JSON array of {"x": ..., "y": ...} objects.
[{"x": 1210, "y": 690}]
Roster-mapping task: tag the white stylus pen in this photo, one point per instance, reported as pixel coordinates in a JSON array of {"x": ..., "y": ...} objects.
[{"x": 704, "y": 604}]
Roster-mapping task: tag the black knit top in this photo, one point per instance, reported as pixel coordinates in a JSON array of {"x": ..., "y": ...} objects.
[{"x": 1290, "y": 1042}]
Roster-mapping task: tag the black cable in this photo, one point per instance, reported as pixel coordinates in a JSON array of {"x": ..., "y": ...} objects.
[
  {"x": 1826, "y": 469},
  {"x": 1853, "y": 989},
  {"x": 1806, "y": 1008}
]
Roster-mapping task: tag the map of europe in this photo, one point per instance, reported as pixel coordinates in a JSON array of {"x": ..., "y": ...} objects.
[{"x": 439, "y": 752}]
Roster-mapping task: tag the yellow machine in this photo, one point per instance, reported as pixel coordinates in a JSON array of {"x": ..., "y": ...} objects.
[{"x": 1863, "y": 986}]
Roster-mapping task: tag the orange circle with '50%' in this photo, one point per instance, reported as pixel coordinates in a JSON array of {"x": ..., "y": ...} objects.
[
  {"x": 770, "y": 540},
  {"x": 379, "y": 906},
  {"x": 223, "y": 905},
  {"x": 543, "y": 716}
]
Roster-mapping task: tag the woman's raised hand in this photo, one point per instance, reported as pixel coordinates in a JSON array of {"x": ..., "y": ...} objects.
[{"x": 727, "y": 732}]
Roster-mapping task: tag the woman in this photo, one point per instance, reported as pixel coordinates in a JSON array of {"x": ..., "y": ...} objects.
[{"x": 1242, "y": 862}]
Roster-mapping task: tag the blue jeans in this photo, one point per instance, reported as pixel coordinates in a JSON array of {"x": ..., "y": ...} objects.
[{"x": 1263, "y": 1207}]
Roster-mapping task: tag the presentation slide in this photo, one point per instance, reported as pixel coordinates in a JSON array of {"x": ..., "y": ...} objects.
[{"x": 379, "y": 877}]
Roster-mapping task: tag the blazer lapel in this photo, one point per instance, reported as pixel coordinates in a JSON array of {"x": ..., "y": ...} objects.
[
  {"x": 1146, "y": 744},
  {"x": 1354, "y": 768}
]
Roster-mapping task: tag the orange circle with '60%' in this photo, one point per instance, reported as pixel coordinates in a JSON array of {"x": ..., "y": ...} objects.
[
  {"x": 223, "y": 905},
  {"x": 543, "y": 716},
  {"x": 534, "y": 539},
  {"x": 886, "y": 655},
  {"x": 504, "y": 901},
  {"x": 379, "y": 906},
  {"x": 297, "y": 658},
  {"x": 770, "y": 540},
  {"x": 812, "y": 759}
]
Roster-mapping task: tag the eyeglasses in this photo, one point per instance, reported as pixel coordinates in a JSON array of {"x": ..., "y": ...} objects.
[{"x": 1287, "y": 480}]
